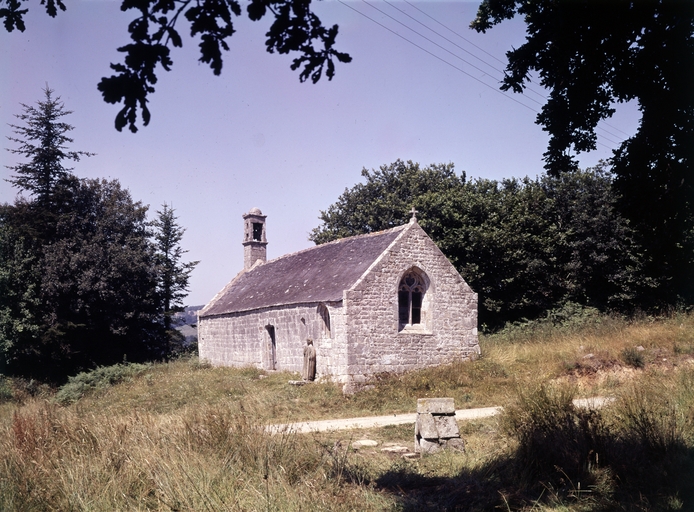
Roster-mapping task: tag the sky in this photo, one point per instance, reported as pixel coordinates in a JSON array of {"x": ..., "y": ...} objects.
[{"x": 255, "y": 136}]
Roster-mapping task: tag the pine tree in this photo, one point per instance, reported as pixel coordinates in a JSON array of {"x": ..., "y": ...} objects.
[
  {"x": 173, "y": 274},
  {"x": 44, "y": 143}
]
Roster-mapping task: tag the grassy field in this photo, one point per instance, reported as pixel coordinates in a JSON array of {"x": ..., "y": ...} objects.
[{"x": 183, "y": 436}]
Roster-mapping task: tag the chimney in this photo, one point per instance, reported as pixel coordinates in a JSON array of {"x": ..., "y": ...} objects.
[{"x": 254, "y": 238}]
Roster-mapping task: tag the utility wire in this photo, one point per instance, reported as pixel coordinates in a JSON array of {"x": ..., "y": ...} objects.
[
  {"x": 456, "y": 33},
  {"x": 433, "y": 42},
  {"x": 437, "y": 57},
  {"x": 529, "y": 88},
  {"x": 443, "y": 60},
  {"x": 445, "y": 38}
]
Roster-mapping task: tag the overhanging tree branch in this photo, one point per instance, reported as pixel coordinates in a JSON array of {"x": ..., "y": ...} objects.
[{"x": 155, "y": 32}]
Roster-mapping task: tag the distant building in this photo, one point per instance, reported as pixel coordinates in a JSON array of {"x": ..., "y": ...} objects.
[{"x": 382, "y": 302}]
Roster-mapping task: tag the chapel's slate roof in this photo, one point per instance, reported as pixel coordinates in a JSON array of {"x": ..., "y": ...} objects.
[{"x": 318, "y": 274}]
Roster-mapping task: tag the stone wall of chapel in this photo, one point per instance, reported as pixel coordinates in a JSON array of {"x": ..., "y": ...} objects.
[
  {"x": 241, "y": 339},
  {"x": 376, "y": 345}
]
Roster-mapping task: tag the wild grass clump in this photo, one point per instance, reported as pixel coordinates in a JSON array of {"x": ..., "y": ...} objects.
[
  {"x": 101, "y": 378},
  {"x": 6, "y": 392},
  {"x": 633, "y": 357},
  {"x": 641, "y": 449},
  {"x": 552, "y": 433},
  {"x": 218, "y": 458}
]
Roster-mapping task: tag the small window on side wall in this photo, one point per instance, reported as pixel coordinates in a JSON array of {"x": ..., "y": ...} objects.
[{"x": 325, "y": 324}]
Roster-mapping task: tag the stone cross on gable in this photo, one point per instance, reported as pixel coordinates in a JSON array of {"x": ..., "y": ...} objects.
[{"x": 414, "y": 215}]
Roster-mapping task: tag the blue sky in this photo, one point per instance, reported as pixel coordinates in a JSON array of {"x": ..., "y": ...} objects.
[{"x": 256, "y": 136}]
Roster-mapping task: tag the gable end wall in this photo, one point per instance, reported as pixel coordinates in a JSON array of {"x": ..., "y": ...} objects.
[{"x": 374, "y": 343}]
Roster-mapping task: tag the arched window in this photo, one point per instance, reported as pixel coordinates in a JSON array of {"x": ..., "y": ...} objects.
[
  {"x": 411, "y": 298},
  {"x": 325, "y": 317}
]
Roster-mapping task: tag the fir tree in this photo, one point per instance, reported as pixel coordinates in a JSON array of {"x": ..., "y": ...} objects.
[
  {"x": 173, "y": 274},
  {"x": 43, "y": 141}
]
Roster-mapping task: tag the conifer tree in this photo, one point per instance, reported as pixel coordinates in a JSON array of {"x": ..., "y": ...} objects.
[
  {"x": 43, "y": 141},
  {"x": 173, "y": 274}
]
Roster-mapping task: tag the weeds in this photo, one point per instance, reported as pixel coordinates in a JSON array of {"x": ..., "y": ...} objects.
[
  {"x": 101, "y": 378},
  {"x": 633, "y": 357},
  {"x": 187, "y": 436}
]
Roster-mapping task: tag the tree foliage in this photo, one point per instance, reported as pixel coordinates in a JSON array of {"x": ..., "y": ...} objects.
[
  {"x": 173, "y": 274},
  {"x": 591, "y": 55},
  {"x": 156, "y": 30},
  {"x": 89, "y": 296},
  {"x": 82, "y": 283},
  {"x": 43, "y": 141},
  {"x": 525, "y": 246}
]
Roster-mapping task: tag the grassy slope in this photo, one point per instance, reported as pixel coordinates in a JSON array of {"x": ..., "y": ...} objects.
[{"x": 183, "y": 436}]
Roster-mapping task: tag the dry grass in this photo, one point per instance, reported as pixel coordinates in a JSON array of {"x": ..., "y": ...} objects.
[{"x": 185, "y": 436}]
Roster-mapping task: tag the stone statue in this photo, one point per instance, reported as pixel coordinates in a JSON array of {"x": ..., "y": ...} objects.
[{"x": 309, "y": 361}]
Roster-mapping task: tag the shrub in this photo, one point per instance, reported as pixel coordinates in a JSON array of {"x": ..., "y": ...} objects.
[
  {"x": 566, "y": 319},
  {"x": 633, "y": 357},
  {"x": 101, "y": 378},
  {"x": 6, "y": 393}
]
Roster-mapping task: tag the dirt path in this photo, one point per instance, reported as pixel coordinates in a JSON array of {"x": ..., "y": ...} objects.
[{"x": 403, "y": 419}]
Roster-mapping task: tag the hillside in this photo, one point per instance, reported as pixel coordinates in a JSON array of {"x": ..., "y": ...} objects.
[{"x": 185, "y": 436}]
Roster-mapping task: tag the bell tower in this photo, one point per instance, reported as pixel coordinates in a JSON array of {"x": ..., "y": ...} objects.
[{"x": 254, "y": 238}]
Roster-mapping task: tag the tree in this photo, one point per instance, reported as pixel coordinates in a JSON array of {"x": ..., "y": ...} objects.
[
  {"x": 90, "y": 296},
  {"x": 172, "y": 274},
  {"x": 100, "y": 278},
  {"x": 386, "y": 198},
  {"x": 43, "y": 141},
  {"x": 525, "y": 246},
  {"x": 591, "y": 55},
  {"x": 156, "y": 30},
  {"x": 78, "y": 273}
]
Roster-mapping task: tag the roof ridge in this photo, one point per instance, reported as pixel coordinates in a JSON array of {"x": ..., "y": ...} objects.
[
  {"x": 315, "y": 274},
  {"x": 332, "y": 242}
]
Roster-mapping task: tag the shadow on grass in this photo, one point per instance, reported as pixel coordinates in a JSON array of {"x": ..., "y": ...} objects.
[
  {"x": 638, "y": 455},
  {"x": 511, "y": 483}
]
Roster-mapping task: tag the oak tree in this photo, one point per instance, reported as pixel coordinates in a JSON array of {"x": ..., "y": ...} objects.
[{"x": 591, "y": 55}]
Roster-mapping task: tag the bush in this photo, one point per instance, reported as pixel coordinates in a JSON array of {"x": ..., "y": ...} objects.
[
  {"x": 101, "y": 378},
  {"x": 6, "y": 393},
  {"x": 633, "y": 357},
  {"x": 555, "y": 438},
  {"x": 566, "y": 319}
]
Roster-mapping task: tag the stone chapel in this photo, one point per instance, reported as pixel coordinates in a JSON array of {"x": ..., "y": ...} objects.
[{"x": 382, "y": 302}]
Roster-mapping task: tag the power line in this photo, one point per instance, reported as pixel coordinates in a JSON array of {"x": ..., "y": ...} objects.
[
  {"x": 437, "y": 57},
  {"x": 529, "y": 88},
  {"x": 444, "y": 37},
  {"x": 454, "y": 32},
  {"x": 431, "y": 41},
  {"x": 448, "y": 51}
]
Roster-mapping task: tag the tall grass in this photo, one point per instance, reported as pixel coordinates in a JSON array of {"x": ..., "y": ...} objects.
[
  {"x": 208, "y": 459},
  {"x": 185, "y": 436},
  {"x": 640, "y": 450}
]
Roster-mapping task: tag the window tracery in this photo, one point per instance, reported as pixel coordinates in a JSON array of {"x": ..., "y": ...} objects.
[{"x": 411, "y": 291}]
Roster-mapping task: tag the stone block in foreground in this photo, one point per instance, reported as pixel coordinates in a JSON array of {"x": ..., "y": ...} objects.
[{"x": 435, "y": 428}]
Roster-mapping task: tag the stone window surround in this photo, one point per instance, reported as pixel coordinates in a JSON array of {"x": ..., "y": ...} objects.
[
  {"x": 324, "y": 314},
  {"x": 424, "y": 328}
]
